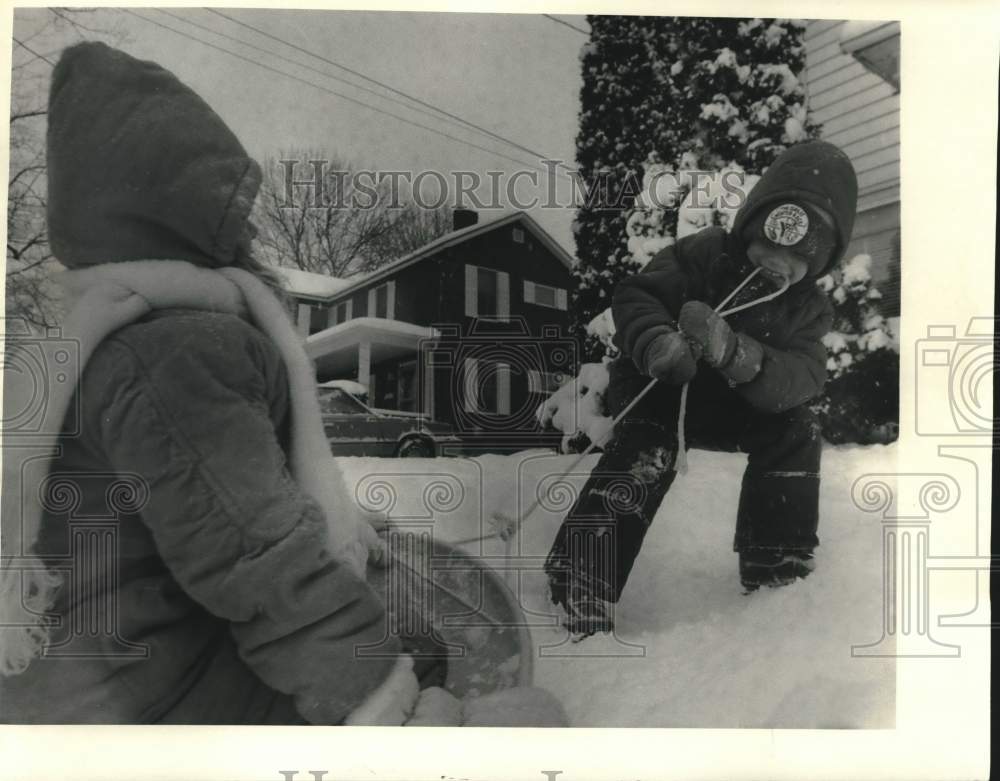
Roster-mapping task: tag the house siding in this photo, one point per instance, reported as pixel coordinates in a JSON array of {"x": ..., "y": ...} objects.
[
  {"x": 859, "y": 112},
  {"x": 432, "y": 292}
]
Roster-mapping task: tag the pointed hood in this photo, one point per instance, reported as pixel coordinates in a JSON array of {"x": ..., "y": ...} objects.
[
  {"x": 140, "y": 167},
  {"x": 815, "y": 173}
]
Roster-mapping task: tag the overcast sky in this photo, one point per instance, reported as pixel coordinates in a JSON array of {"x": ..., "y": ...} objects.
[{"x": 516, "y": 75}]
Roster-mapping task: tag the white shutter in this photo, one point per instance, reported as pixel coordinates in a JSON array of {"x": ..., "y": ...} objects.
[
  {"x": 349, "y": 309},
  {"x": 471, "y": 291},
  {"x": 371, "y": 302},
  {"x": 529, "y": 292},
  {"x": 302, "y": 320},
  {"x": 503, "y": 389},
  {"x": 503, "y": 295},
  {"x": 390, "y": 300},
  {"x": 470, "y": 385},
  {"x": 561, "y": 299}
]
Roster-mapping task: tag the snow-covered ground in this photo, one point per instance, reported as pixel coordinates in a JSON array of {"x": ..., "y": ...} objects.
[{"x": 689, "y": 650}]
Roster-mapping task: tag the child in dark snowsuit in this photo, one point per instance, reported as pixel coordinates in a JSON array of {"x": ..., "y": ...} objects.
[{"x": 750, "y": 377}]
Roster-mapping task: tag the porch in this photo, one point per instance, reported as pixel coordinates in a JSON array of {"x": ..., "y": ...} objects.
[{"x": 387, "y": 356}]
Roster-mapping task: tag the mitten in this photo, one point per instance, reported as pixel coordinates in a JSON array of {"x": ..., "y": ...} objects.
[
  {"x": 392, "y": 703},
  {"x": 668, "y": 358},
  {"x": 737, "y": 357}
]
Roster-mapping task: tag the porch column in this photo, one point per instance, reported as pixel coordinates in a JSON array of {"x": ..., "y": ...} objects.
[
  {"x": 427, "y": 368},
  {"x": 365, "y": 365}
]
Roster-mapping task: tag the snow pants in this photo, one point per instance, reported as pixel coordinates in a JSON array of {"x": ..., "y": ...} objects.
[{"x": 600, "y": 538}]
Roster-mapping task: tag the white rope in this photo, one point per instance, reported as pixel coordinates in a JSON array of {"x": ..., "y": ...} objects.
[{"x": 680, "y": 463}]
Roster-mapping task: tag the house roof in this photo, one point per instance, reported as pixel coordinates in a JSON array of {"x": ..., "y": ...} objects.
[
  {"x": 311, "y": 285},
  {"x": 450, "y": 239}
]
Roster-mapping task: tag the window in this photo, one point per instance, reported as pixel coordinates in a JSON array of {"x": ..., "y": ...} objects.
[
  {"x": 341, "y": 313},
  {"x": 544, "y": 295},
  {"x": 875, "y": 45},
  {"x": 518, "y": 235},
  {"x": 487, "y": 292},
  {"x": 318, "y": 318},
  {"x": 382, "y": 301},
  {"x": 334, "y": 401}
]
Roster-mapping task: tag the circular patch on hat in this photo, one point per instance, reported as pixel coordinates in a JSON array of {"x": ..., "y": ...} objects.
[{"x": 787, "y": 224}]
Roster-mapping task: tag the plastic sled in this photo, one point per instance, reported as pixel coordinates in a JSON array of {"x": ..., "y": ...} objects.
[{"x": 454, "y": 615}]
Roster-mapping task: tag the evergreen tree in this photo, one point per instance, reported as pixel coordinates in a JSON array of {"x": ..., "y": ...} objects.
[
  {"x": 861, "y": 400},
  {"x": 677, "y": 94}
]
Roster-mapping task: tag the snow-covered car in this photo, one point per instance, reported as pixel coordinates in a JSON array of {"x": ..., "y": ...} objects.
[{"x": 355, "y": 429}]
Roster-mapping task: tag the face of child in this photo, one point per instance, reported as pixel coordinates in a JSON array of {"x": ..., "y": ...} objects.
[{"x": 779, "y": 264}]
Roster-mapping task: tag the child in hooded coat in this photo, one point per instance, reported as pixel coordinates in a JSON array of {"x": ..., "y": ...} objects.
[
  {"x": 751, "y": 375},
  {"x": 206, "y": 592}
]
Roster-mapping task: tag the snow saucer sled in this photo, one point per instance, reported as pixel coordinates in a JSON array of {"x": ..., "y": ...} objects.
[{"x": 455, "y": 616}]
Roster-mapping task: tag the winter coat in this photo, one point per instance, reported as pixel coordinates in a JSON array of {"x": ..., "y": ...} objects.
[
  {"x": 708, "y": 265},
  {"x": 224, "y": 589},
  {"x": 211, "y": 596}
]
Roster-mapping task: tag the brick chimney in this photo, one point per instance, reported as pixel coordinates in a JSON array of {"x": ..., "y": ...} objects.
[{"x": 463, "y": 218}]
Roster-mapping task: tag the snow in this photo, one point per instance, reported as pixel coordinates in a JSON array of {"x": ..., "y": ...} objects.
[
  {"x": 308, "y": 283},
  {"x": 350, "y": 386},
  {"x": 789, "y": 81},
  {"x": 577, "y": 405},
  {"x": 720, "y": 107},
  {"x": 858, "y": 270},
  {"x": 690, "y": 649},
  {"x": 603, "y": 328}
]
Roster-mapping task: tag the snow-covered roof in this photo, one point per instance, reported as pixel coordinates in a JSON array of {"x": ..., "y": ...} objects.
[
  {"x": 457, "y": 237},
  {"x": 307, "y": 283}
]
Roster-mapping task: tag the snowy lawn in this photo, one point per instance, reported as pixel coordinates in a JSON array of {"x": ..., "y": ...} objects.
[{"x": 690, "y": 650}]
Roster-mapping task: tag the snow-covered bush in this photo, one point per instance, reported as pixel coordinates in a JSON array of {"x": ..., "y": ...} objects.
[
  {"x": 578, "y": 409},
  {"x": 663, "y": 97},
  {"x": 861, "y": 400}
]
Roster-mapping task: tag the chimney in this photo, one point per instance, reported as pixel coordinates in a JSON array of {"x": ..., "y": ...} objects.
[{"x": 463, "y": 218}]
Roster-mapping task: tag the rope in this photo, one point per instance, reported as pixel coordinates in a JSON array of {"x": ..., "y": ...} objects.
[{"x": 680, "y": 462}]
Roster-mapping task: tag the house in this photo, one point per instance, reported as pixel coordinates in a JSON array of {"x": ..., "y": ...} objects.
[
  {"x": 471, "y": 329},
  {"x": 852, "y": 81}
]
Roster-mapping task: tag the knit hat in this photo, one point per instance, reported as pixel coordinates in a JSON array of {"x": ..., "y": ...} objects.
[
  {"x": 140, "y": 167},
  {"x": 811, "y": 174}
]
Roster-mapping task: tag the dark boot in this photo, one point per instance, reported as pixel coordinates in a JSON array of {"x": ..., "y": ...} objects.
[
  {"x": 586, "y": 614},
  {"x": 773, "y": 568}
]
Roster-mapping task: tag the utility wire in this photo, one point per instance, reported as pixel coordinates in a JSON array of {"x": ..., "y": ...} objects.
[
  {"x": 564, "y": 23},
  {"x": 326, "y": 89},
  {"x": 323, "y": 73},
  {"x": 392, "y": 89}
]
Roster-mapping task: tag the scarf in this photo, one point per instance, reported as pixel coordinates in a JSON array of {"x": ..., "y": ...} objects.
[{"x": 108, "y": 297}]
